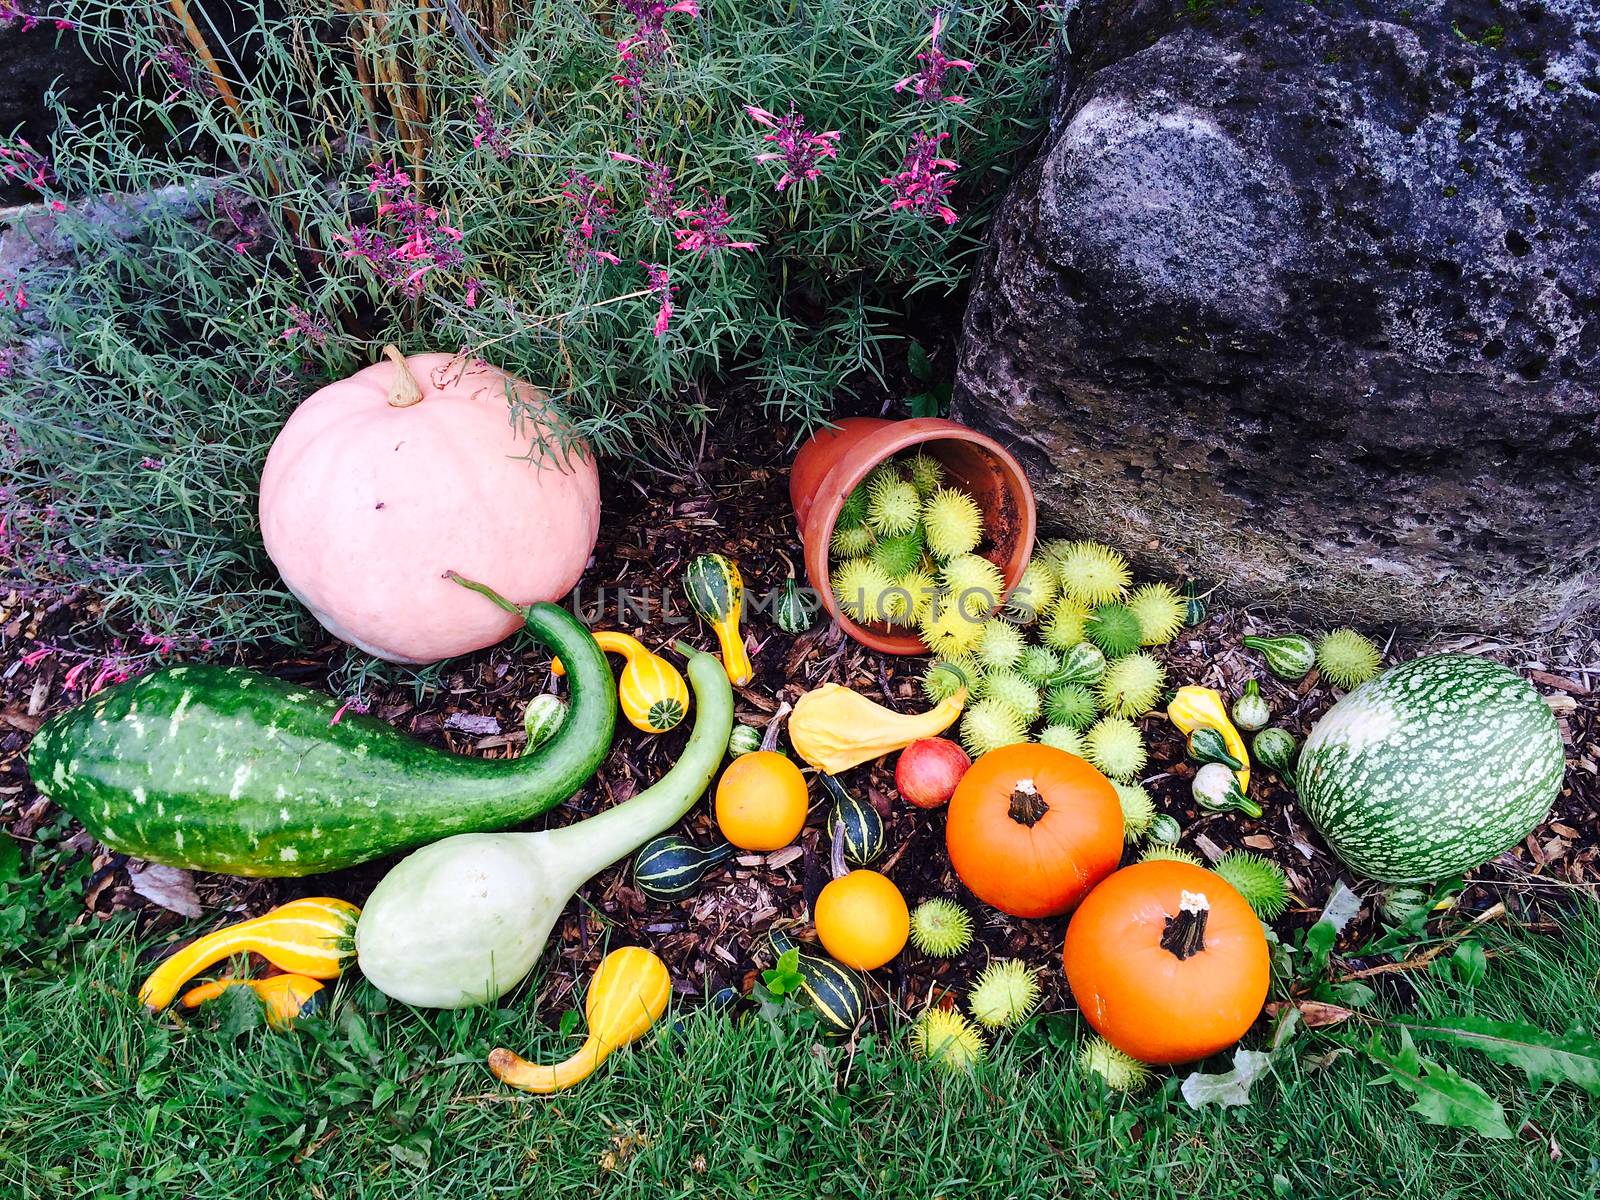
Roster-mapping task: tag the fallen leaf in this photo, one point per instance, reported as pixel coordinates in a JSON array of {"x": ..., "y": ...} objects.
[
  {"x": 1259, "y": 841},
  {"x": 18, "y": 719},
  {"x": 170, "y": 887},
  {"x": 1533, "y": 1133},
  {"x": 1319, "y": 1015},
  {"x": 1209, "y": 848}
]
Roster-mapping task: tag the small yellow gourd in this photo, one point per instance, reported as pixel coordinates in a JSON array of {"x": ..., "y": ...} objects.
[
  {"x": 312, "y": 937},
  {"x": 834, "y": 728},
  {"x": 627, "y": 995},
  {"x": 653, "y": 694},
  {"x": 716, "y": 592},
  {"x": 285, "y": 997},
  {"x": 1196, "y": 707}
]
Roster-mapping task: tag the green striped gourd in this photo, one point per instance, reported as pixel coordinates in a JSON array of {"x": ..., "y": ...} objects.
[
  {"x": 790, "y": 612},
  {"x": 832, "y": 990},
  {"x": 857, "y": 824},
  {"x": 670, "y": 867},
  {"x": 1432, "y": 768},
  {"x": 1083, "y": 663},
  {"x": 1288, "y": 657}
]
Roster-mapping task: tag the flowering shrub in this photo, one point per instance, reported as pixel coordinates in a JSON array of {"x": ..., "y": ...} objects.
[{"x": 624, "y": 197}]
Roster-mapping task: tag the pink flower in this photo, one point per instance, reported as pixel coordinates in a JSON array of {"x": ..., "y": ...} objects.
[
  {"x": 489, "y": 134},
  {"x": 660, "y": 199},
  {"x": 925, "y": 179},
  {"x": 706, "y": 227},
  {"x": 929, "y": 80},
  {"x": 473, "y": 287},
  {"x": 799, "y": 149},
  {"x": 25, "y": 165},
  {"x": 590, "y": 222},
  {"x": 152, "y": 464},
  {"x": 313, "y": 328},
  {"x": 647, "y": 44},
  {"x": 34, "y": 657},
  {"x": 421, "y": 244},
  {"x": 355, "y": 704},
  {"x": 661, "y": 285}
]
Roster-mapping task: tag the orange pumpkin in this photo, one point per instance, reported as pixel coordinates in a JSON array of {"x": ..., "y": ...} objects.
[
  {"x": 1167, "y": 962},
  {"x": 1032, "y": 828},
  {"x": 381, "y": 483}
]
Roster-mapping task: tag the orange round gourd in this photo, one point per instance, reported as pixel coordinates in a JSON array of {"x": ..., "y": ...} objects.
[
  {"x": 862, "y": 920},
  {"x": 380, "y": 483},
  {"x": 1032, "y": 828},
  {"x": 761, "y": 801},
  {"x": 1167, "y": 962}
]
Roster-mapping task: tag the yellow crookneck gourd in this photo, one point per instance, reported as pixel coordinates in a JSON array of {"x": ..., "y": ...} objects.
[
  {"x": 716, "y": 592},
  {"x": 313, "y": 937},
  {"x": 285, "y": 997},
  {"x": 652, "y": 692},
  {"x": 834, "y": 728},
  {"x": 627, "y": 995},
  {"x": 1195, "y": 707}
]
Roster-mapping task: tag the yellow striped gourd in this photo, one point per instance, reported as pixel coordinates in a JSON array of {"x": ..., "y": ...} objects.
[
  {"x": 652, "y": 692},
  {"x": 285, "y": 997},
  {"x": 312, "y": 937},
  {"x": 716, "y": 592},
  {"x": 627, "y": 995}
]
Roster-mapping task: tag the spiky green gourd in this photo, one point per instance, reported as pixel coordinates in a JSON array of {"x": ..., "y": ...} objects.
[
  {"x": 1131, "y": 685},
  {"x": 1347, "y": 659},
  {"x": 947, "y": 676},
  {"x": 1035, "y": 592},
  {"x": 893, "y": 507},
  {"x": 1160, "y": 611},
  {"x": 948, "y": 1040},
  {"x": 1012, "y": 690},
  {"x": 861, "y": 585},
  {"x": 1288, "y": 657},
  {"x": 1138, "y": 809},
  {"x": 1113, "y": 628},
  {"x": 853, "y": 512},
  {"x": 850, "y": 542},
  {"x": 925, "y": 472},
  {"x": 952, "y": 522},
  {"x": 1166, "y": 852},
  {"x": 1082, "y": 664},
  {"x": 1038, "y": 664},
  {"x": 1001, "y": 645},
  {"x": 1092, "y": 573},
  {"x": 990, "y": 724},
  {"x": 1063, "y": 737},
  {"x": 1115, "y": 746},
  {"x": 948, "y": 631},
  {"x": 1432, "y": 768},
  {"x": 1005, "y": 993},
  {"x": 974, "y": 583},
  {"x": 941, "y": 928},
  {"x": 922, "y": 589},
  {"x": 1251, "y": 710},
  {"x": 1119, "y": 1072},
  {"x": 1259, "y": 880},
  {"x": 1071, "y": 704},
  {"x": 1064, "y": 627},
  {"x": 899, "y": 554}
]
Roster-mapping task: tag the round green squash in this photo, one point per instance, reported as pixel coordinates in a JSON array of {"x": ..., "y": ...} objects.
[{"x": 1432, "y": 768}]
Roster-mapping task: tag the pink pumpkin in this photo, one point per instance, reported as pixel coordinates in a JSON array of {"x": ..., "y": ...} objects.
[{"x": 381, "y": 483}]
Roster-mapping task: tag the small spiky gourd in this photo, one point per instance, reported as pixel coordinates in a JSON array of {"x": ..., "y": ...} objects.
[
  {"x": 988, "y": 725},
  {"x": 893, "y": 507},
  {"x": 1092, "y": 573},
  {"x": 1063, "y": 737},
  {"x": 1131, "y": 685},
  {"x": 925, "y": 472},
  {"x": 860, "y": 586},
  {"x": 1035, "y": 592},
  {"x": 850, "y": 542},
  {"x": 853, "y": 512},
  {"x": 1118, "y": 1071},
  {"x": 1113, "y": 628},
  {"x": 948, "y": 1040},
  {"x": 1115, "y": 746},
  {"x": 941, "y": 928},
  {"x": 1012, "y": 690},
  {"x": 947, "y": 631},
  {"x": 1138, "y": 809},
  {"x": 1004, "y": 994},
  {"x": 1064, "y": 627},
  {"x": 1001, "y": 645},
  {"x": 1347, "y": 659},
  {"x": 1166, "y": 852},
  {"x": 1259, "y": 880},
  {"x": 947, "y": 676},
  {"x": 899, "y": 554},
  {"x": 923, "y": 589},
  {"x": 1161, "y": 612},
  {"x": 1039, "y": 664},
  {"x": 953, "y": 523},
  {"x": 974, "y": 583},
  {"x": 1070, "y": 704}
]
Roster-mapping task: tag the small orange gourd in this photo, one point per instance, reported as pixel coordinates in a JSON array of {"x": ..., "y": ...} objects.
[
  {"x": 761, "y": 801},
  {"x": 1167, "y": 962},
  {"x": 1032, "y": 828},
  {"x": 862, "y": 919}
]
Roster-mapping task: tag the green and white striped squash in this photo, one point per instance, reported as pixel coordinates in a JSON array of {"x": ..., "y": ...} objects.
[{"x": 1432, "y": 768}]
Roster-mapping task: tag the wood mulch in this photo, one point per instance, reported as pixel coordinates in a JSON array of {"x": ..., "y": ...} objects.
[{"x": 732, "y": 496}]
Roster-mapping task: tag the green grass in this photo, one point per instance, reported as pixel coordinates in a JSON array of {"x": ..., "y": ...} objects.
[{"x": 374, "y": 1100}]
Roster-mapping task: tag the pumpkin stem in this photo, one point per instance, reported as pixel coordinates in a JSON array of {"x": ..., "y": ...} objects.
[
  {"x": 405, "y": 390},
  {"x": 1185, "y": 934},
  {"x": 1027, "y": 805}
]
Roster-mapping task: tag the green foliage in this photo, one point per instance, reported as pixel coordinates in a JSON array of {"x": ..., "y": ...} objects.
[
  {"x": 1443, "y": 1097},
  {"x": 784, "y": 976},
  {"x": 153, "y": 368}
]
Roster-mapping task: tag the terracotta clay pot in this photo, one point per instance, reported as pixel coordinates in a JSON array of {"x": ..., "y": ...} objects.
[{"x": 832, "y": 462}]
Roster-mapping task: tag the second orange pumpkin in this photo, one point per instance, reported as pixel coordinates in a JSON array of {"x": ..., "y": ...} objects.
[{"x": 1032, "y": 829}]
